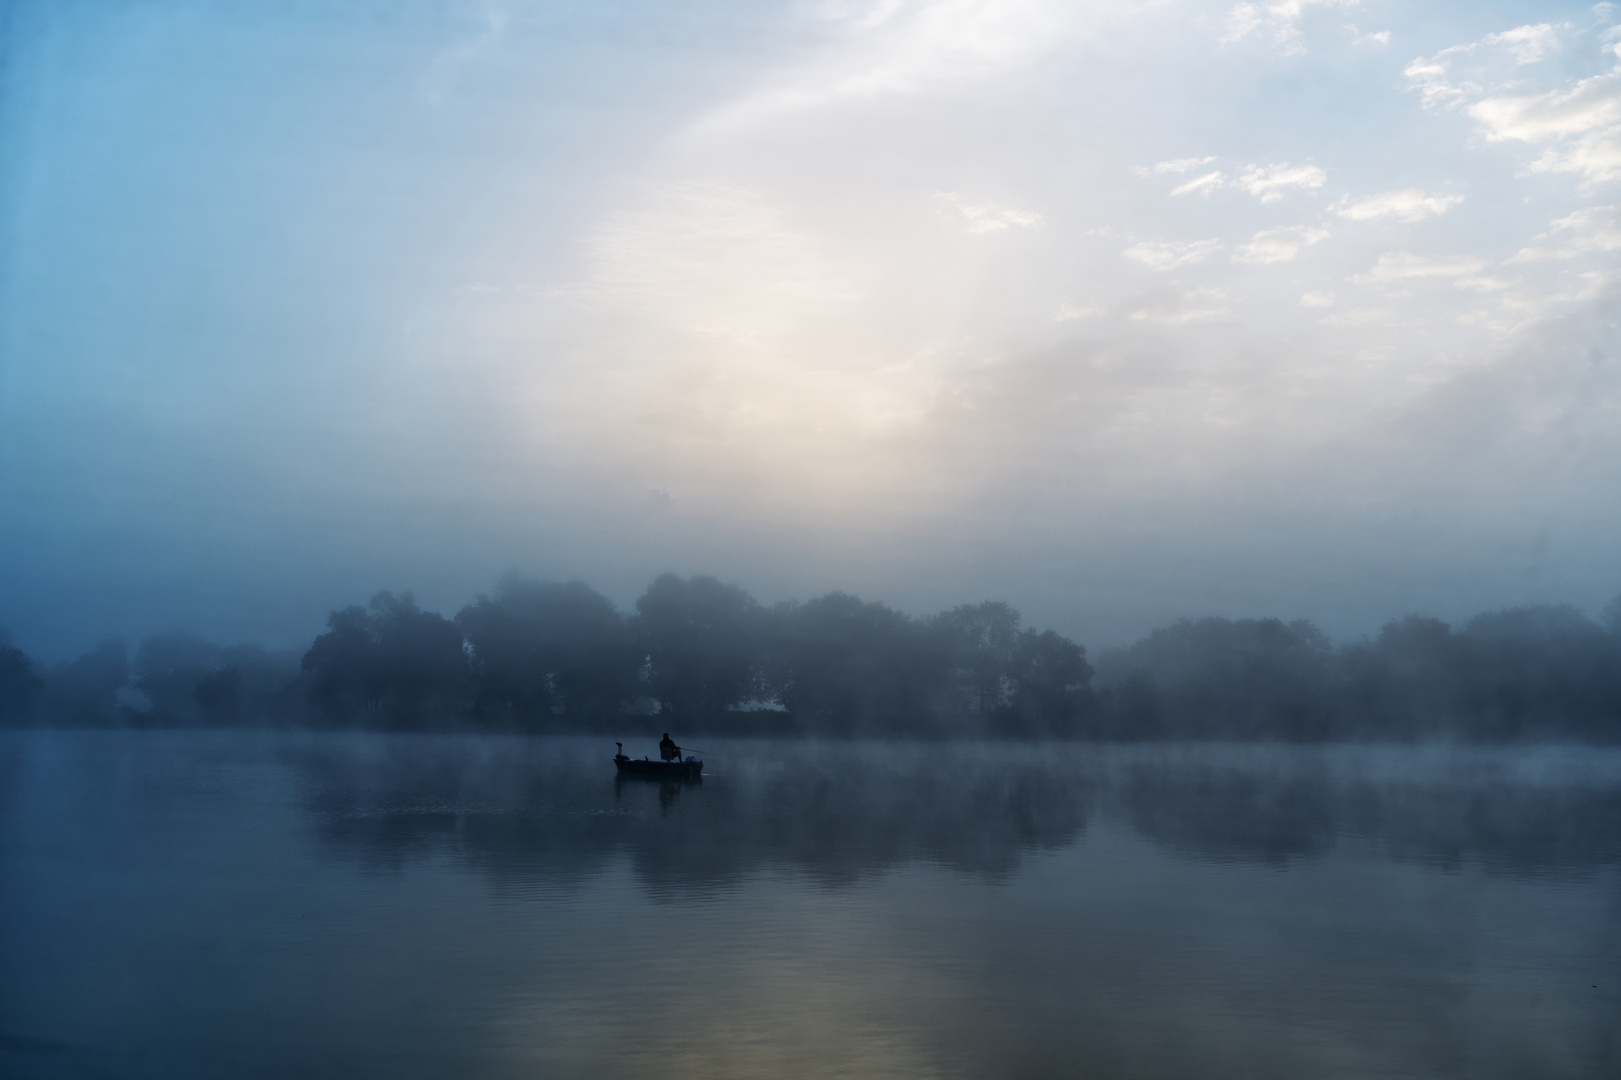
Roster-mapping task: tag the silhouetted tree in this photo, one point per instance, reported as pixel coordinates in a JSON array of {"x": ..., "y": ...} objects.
[
  {"x": 1611, "y": 618},
  {"x": 19, "y": 683},
  {"x": 1519, "y": 673},
  {"x": 1541, "y": 670},
  {"x": 840, "y": 666},
  {"x": 1052, "y": 688},
  {"x": 541, "y": 649},
  {"x": 392, "y": 660},
  {"x": 1404, "y": 683},
  {"x": 218, "y": 694},
  {"x": 341, "y": 667},
  {"x": 701, "y": 640},
  {"x": 1235, "y": 678},
  {"x": 980, "y": 641},
  {"x": 84, "y": 692},
  {"x": 167, "y": 669},
  {"x": 1128, "y": 709},
  {"x": 844, "y": 667}
]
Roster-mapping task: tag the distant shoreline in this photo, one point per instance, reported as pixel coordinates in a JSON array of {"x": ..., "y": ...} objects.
[{"x": 706, "y": 658}]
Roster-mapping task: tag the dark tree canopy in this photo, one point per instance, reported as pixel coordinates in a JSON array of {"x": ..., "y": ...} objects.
[
  {"x": 844, "y": 666},
  {"x": 1521, "y": 673},
  {"x": 706, "y": 656},
  {"x": 1051, "y": 688},
  {"x": 185, "y": 680},
  {"x": 980, "y": 641},
  {"x": 85, "y": 692},
  {"x": 542, "y": 649},
  {"x": 1233, "y": 678},
  {"x": 402, "y": 665},
  {"x": 20, "y": 683},
  {"x": 701, "y": 640}
]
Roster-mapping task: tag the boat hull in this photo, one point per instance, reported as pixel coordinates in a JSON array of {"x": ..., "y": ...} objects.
[{"x": 660, "y": 770}]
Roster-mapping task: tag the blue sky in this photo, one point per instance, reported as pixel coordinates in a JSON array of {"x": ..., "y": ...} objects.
[{"x": 1118, "y": 311}]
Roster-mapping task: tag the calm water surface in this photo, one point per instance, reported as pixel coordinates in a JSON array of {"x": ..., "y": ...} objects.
[{"x": 177, "y": 905}]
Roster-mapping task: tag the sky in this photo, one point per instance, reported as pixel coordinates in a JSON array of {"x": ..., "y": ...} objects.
[{"x": 1120, "y": 312}]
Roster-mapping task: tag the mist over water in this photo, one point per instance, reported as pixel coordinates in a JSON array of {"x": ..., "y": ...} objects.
[{"x": 226, "y": 903}]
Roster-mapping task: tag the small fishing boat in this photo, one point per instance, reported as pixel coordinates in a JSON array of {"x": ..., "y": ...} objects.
[{"x": 690, "y": 769}]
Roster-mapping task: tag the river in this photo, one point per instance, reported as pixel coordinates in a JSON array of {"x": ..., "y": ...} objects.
[{"x": 256, "y": 904}]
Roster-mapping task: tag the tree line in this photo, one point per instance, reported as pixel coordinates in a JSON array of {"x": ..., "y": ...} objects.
[{"x": 706, "y": 656}]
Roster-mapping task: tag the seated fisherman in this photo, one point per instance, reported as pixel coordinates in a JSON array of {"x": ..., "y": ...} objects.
[{"x": 668, "y": 750}]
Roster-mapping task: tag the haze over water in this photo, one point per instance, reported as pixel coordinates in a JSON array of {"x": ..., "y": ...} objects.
[{"x": 205, "y": 904}]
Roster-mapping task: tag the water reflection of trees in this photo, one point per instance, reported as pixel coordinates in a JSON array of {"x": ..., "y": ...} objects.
[
  {"x": 548, "y": 813},
  {"x": 835, "y": 814},
  {"x": 1236, "y": 814}
]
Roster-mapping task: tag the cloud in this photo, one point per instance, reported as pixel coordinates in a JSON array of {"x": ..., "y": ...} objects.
[
  {"x": 1278, "y": 22},
  {"x": 1269, "y": 182},
  {"x": 1578, "y": 123},
  {"x": 981, "y": 218},
  {"x": 1070, "y": 311},
  {"x": 1406, "y": 266},
  {"x": 1593, "y": 104},
  {"x": 1175, "y": 165},
  {"x": 1484, "y": 284},
  {"x": 1407, "y": 204},
  {"x": 1202, "y": 185},
  {"x": 1358, "y": 317},
  {"x": 1279, "y": 245},
  {"x": 889, "y": 49},
  {"x": 1434, "y": 78},
  {"x": 1169, "y": 254},
  {"x": 1583, "y": 124},
  {"x": 1440, "y": 83},
  {"x": 1266, "y": 182},
  {"x": 1317, "y": 299},
  {"x": 1593, "y": 231},
  {"x": 1377, "y": 38},
  {"x": 1175, "y": 307},
  {"x": 1527, "y": 44}
]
